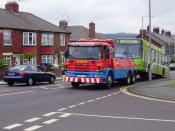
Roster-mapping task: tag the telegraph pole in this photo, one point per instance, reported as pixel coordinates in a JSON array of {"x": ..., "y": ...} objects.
[{"x": 150, "y": 49}]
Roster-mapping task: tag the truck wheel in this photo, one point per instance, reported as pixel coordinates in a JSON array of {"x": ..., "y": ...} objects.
[
  {"x": 10, "y": 83},
  {"x": 109, "y": 81},
  {"x": 133, "y": 79},
  {"x": 128, "y": 79},
  {"x": 75, "y": 84}
]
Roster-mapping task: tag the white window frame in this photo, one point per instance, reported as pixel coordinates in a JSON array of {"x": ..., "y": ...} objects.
[
  {"x": 8, "y": 59},
  {"x": 31, "y": 62},
  {"x": 62, "y": 57},
  {"x": 47, "y": 39},
  {"x": 47, "y": 59},
  {"x": 9, "y": 34},
  {"x": 62, "y": 39},
  {"x": 34, "y": 39}
]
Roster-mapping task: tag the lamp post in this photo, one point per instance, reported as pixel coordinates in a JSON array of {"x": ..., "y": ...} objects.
[{"x": 150, "y": 64}]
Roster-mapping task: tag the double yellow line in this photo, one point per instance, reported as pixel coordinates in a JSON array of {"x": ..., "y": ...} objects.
[{"x": 126, "y": 91}]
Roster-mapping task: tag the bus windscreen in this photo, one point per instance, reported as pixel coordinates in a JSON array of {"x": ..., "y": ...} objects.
[{"x": 128, "y": 49}]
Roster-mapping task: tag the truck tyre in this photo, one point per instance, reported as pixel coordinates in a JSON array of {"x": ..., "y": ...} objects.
[
  {"x": 133, "y": 79},
  {"x": 109, "y": 81},
  {"x": 75, "y": 84},
  {"x": 128, "y": 79},
  {"x": 10, "y": 83}
]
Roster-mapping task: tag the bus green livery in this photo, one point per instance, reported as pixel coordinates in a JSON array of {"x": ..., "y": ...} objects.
[{"x": 139, "y": 51}]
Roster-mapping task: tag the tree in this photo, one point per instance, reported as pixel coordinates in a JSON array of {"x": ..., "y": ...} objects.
[{"x": 28, "y": 56}]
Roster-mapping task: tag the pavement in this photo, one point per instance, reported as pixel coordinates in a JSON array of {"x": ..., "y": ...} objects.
[{"x": 156, "y": 89}]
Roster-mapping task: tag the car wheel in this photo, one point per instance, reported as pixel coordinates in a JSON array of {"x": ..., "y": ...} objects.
[
  {"x": 75, "y": 84},
  {"x": 10, "y": 83},
  {"x": 30, "y": 82},
  {"x": 52, "y": 80}
]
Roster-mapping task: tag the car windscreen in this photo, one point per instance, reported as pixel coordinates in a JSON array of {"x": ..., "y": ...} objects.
[
  {"x": 123, "y": 50},
  {"x": 85, "y": 52},
  {"x": 20, "y": 67}
]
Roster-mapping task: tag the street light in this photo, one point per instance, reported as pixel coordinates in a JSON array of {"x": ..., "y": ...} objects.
[{"x": 150, "y": 64}]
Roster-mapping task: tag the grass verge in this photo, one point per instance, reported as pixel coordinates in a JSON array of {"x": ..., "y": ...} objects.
[{"x": 172, "y": 85}]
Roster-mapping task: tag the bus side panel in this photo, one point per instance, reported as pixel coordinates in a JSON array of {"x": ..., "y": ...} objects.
[{"x": 120, "y": 73}]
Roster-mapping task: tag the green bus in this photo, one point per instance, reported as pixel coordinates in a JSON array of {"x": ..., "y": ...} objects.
[{"x": 138, "y": 50}]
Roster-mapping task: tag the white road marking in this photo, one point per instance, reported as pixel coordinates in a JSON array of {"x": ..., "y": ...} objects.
[
  {"x": 12, "y": 126},
  {"x": 50, "y": 114},
  {"x": 62, "y": 109},
  {"x": 121, "y": 117},
  {"x": 82, "y": 103},
  {"x": 72, "y": 106},
  {"x": 103, "y": 97},
  {"x": 32, "y": 128},
  {"x": 16, "y": 93},
  {"x": 5, "y": 90},
  {"x": 109, "y": 95},
  {"x": 50, "y": 121},
  {"x": 117, "y": 93},
  {"x": 32, "y": 119},
  {"x": 98, "y": 98},
  {"x": 66, "y": 115},
  {"x": 90, "y": 100}
]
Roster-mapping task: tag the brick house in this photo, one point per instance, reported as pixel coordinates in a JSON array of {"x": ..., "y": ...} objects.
[
  {"x": 161, "y": 39},
  {"x": 80, "y": 32},
  {"x": 22, "y": 33}
]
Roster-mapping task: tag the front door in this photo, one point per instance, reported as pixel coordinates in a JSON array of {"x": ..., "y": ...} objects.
[{"x": 17, "y": 60}]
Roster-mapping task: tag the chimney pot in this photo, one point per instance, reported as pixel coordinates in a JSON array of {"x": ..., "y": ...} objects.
[
  {"x": 156, "y": 30},
  {"x": 12, "y": 6},
  {"x": 143, "y": 32},
  {"x": 63, "y": 24},
  {"x": 163, "y": 31},
  {"x": 92, "y": 30}
]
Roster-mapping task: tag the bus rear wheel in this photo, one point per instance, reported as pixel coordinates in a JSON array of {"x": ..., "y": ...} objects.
[{"x": 75, "y": 84}]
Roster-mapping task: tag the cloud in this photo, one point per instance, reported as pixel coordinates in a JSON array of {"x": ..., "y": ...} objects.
[{"x": 110, "y": 16}]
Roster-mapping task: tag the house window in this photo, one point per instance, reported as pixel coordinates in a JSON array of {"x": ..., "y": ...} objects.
[
  {"x": 31, "y": 61},
  {"x": 7, "y": 37},
  {"x": 8, "y": 60},
  {"x": 47, "y": 59},
  {"x": 62, "y": 40},
  {"x": 62, "y": 57},
  {"x": 47, "y": 39},
  {"x": 29, "y": 38}
]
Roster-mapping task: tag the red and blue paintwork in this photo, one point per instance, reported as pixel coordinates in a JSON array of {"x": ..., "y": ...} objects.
[{"x": 96, "y": 71}]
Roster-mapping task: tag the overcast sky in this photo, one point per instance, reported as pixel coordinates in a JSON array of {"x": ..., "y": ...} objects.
[{"x": 110, "y": 16}]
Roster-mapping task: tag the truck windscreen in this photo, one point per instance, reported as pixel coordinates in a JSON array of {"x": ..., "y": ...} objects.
[
  {"x": 128, "y": 50},
  {"x": 85, "y": 52}
]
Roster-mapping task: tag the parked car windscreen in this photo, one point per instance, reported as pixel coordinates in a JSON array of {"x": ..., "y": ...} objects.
[{"x": 20, "y": 67}]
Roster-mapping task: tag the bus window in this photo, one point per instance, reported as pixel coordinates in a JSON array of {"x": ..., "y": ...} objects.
[{"x": 160, "y": 58}]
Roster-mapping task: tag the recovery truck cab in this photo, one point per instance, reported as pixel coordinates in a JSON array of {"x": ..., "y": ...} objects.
[{"x": 93, "y": 62}]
